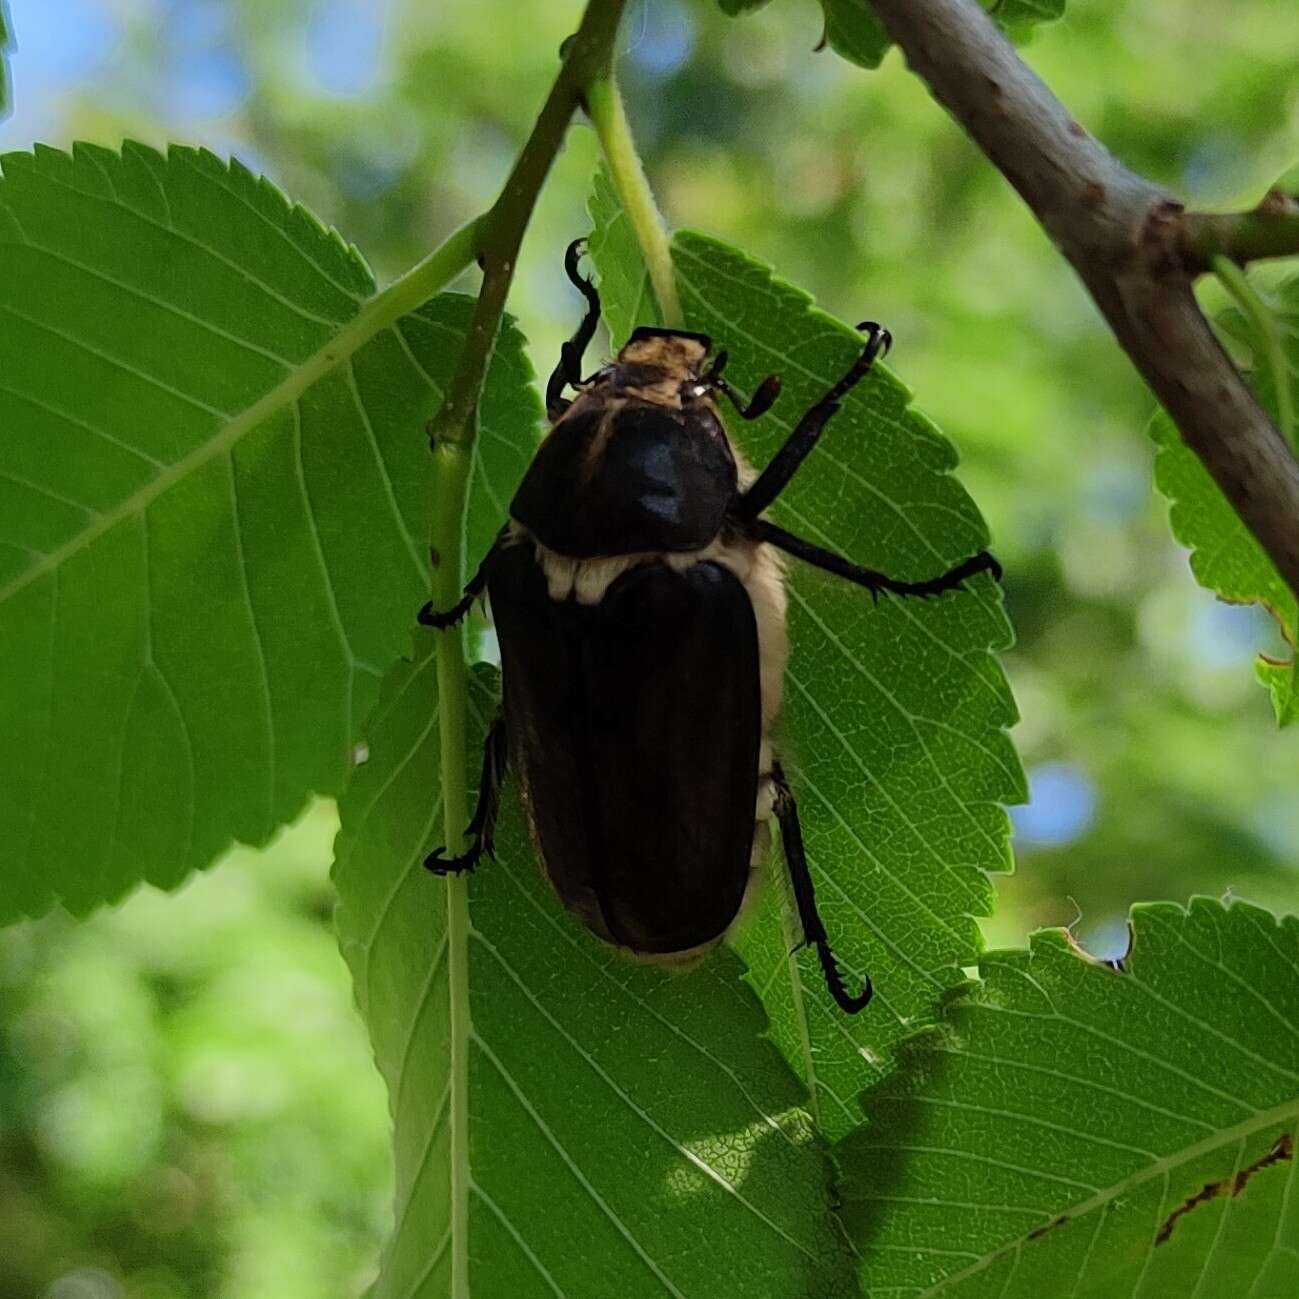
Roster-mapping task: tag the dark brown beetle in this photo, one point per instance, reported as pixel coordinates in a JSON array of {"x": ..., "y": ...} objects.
[{"x": 639, "y": 602}]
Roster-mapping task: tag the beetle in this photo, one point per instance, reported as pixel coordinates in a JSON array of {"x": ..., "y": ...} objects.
[{"x": 639, "y": 601}]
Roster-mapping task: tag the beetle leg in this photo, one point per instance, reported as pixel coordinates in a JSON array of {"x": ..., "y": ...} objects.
[
  {"x": 784, "y": 464},
  {"x": 482, "y": 829},
  {"x": 953, "y": 580},
  {"x": 569, "y": 369},
  {"x": 428, "y": 616},
  {"x": 441, "y": 620},
  {"x": 791, "y": 838}
]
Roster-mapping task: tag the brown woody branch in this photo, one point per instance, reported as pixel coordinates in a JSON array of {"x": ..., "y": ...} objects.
[{"x": 1133, "y": 246}]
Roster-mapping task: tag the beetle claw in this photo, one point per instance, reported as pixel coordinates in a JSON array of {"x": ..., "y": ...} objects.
[
  {"x": 437, "y": 864},
  {"x": 879, "y": 340},
  {"x": 846, "y": 1002}
]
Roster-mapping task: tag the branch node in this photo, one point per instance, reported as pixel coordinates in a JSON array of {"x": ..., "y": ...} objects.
[{"x": 1277, "y": 203}]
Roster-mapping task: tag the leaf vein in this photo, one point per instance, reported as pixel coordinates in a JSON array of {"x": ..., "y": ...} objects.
[
  {"x": 605, "y": 1208},
  {"x": 81, "y": 424},
  {"x": 524, "y": 1247}
]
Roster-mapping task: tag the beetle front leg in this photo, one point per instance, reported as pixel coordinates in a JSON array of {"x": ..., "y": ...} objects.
[
  {"x": 482, "y": 829},
  {"x": 441, "y": 620},
  {"x": 784, "y": 464},
  {"x": 791, "y": 838},
  {"x": 875, "y": 582},
  {"x": 569, "y": 370}
]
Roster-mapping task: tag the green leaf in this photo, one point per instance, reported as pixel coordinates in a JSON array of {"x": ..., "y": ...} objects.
[
  {"x": 566, "y": 1121},
  {"x": 895, "y": 713},
  {"x": 1018, "y": 17},
  {"x": 214, "y": 510},
  {"x": 853, "y": 31},
  {"x": 1282, "y": 682},
  {"x": 626, "y": 297},
  {"x": 1073, "y": 1130},
  {"x": 1225, "y": 557}
]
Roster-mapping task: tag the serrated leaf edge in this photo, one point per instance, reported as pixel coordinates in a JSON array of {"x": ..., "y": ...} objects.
[{"x": 913, "y": 1053}]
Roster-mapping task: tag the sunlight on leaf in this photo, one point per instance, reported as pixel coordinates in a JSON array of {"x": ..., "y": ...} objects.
[
  {"x": 214, "y": 506},
  {"x": 1073, "y": 1130},
  {"x": 566, "y": 1120}
]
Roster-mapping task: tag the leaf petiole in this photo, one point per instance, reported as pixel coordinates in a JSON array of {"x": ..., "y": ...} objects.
[
  {"x": 1236, "y": 282},
  {"x": 604, "y": 106}
]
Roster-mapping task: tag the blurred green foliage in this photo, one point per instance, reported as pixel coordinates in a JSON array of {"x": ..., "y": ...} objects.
[
  {"x": 187, "y": 1107},
  {"x": 187, "y": 1104}
]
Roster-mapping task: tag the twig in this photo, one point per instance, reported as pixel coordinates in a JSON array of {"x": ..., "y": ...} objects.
[
  {"x": 1270, "y": 230},
  {"x": 1128, "y": 241}
]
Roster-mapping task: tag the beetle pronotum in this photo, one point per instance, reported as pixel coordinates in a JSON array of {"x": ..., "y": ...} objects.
[{"x": 639, "y": 601}]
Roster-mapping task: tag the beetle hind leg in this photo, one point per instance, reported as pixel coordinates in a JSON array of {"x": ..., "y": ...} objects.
[
  {"x": 443, "y": 619},
  {"x": 569, "y": 370},
  {"x": 482, "y": 828},
  {"x": 814, "y": 935}
]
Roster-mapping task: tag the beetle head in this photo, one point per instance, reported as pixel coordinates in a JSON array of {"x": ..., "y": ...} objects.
[
  {"x": 665, "y": 367},
  {"x": 662, "y": 366}
]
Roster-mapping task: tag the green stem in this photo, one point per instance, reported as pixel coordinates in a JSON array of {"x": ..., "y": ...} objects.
[
  {"x": 452, "y": 468},
  {"x": 1236, "y": 282},
  {"x": 604, "y": 104},
  {"x": 791, "y": 929}
]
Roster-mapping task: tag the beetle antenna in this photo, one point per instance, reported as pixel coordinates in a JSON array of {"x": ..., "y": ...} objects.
[{"x": 762, "y": 400}]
